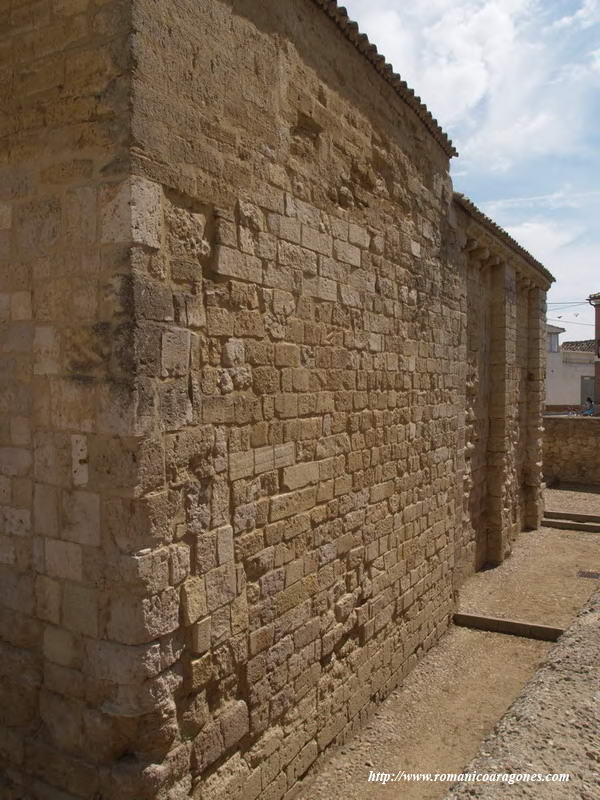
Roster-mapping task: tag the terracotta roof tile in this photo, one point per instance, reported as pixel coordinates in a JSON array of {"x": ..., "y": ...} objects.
[{"x": 584, "y": 346}]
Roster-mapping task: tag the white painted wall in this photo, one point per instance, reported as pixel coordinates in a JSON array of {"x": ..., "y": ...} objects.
[{"x": 563, "y": 377}]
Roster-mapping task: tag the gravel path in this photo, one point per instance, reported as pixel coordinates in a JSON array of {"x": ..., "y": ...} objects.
[
  {"x": 539, "y": 581},
  {"x": 436, "y": 721},
  {"x": 572, "y": 498},
  {"x": 554, "y": 726}
]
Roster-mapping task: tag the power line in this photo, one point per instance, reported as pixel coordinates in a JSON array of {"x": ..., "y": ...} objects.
[
  {"x": 569, "y": 322},
  {"x": 565, "y": 304}
]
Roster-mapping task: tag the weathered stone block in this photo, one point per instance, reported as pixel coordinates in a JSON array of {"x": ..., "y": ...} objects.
[
  {"x": 80, "y": 609},
  {"x": 285, "y": 505},
  {"x": 193, "y": 599},
  {"x": 81, "y": 515},
  {"x": 300, "y": 475},
  {"x": 201, "y": 636},
  {"x": 238, "y": 265},
  {"x": 235, "y": 723},
  {"x": 220, "y": 586},
  {"x": 63, "y": 560},
  {"x": 133, "y": 620}
]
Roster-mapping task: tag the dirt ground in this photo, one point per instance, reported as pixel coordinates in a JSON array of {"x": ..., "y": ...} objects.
[
  {"x": 436, "y": 721},
  {"x": 447, "y": 706},
  {"x": 571, "y": 497},
  {"x": 538, "y": 582}
]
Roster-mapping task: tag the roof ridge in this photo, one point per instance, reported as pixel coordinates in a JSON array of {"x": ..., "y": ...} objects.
[
  {"x": 475, "y": 212},
  {"x": 339, "y": 15}
]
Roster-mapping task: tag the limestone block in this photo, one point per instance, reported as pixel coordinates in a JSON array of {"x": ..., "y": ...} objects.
[
  {"x": 5, "y": 216},
  {"x": 235, "y": 723},
  {"x": 59, "y": 646},
  {"x": 134, "y": 620},
  {"x": 220, "y": 586},
  {"x": 241, "y": 465},
  {"x": 175, "y": 352},
  {"x": 79, "y": 456},
  {"x": 317, "y": 241},
  {"x": 152, "y": 300},
  {"x": 287, "y": 355},
  {"x": 63, "y": 560},
  {"x": 201, "y": 636},
  {"x": 233, "y": 353},
  {"x": 300, "y": 258},
  {"x": 201, "y": 672},
  {"x": 115, "y": 212},
  {"x": 48, "y": 599},
  {"x": 79, "y": 215},
  {"x": 80, "y": 609},
  {"x": 37, "y": 225},
  {"x": 146, "y": 212},
  {"x": 193, "y": 599},
  {"x": 249, "y": 323},
  {"x": 208, "y": 745},
  {"x": 20, "y": 306},
  {"x": 179, "y": 563},
  {"x": 4, "y": 307},
  {"x": 225, "y": 549},
  {"x": 239, "y": 614},
  {"x": 346, "y": 252},
  {"x": 300, "y": 475},
  {"x": 122, "y": 664},
  {"x": 284, "y": 455},
  {"x": 17, "y": 521},
  {"x": 81, "y": 517},
  {"x": 147, "y": 572},
  {"x": 359, "y": 236},
  {"x": 72, "y": 405},
  {"x": 265, "y": 380},
  {"x": 235, "y": 264},
  {"x": 219, "y": 322},
  {"x": 46, "y": 351}
]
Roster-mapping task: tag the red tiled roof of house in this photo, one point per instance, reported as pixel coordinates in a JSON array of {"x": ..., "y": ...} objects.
[{"x": 584, "y": 346}]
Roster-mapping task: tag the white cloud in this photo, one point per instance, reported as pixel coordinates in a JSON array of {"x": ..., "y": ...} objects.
[
  {"x": 492, "y": 71},
  {"x": 545, "y": 239},
  {"x": 561, "y": 199},
  {"x": 585, "y": 16},
  {"x": 563, "y": 250},
  {"x": 513, "y": 82}
]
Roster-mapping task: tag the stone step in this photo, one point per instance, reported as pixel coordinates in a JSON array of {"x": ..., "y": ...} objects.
[
  {"x": 568, "y": 515},
  {"x": 570, "y": 525},
  {"x": 512, "y": 627}
]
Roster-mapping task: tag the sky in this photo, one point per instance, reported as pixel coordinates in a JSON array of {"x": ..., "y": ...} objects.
[{"x": 516, "y": 85}]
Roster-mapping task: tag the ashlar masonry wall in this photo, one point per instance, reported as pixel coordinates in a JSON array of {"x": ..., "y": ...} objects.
[
  {"x": 571, "y": 450},
  {"x": 272, "y": 392}
]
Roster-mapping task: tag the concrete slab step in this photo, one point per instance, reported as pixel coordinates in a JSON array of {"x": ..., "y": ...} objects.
[
  {"x": 570, "y": 525},
  {"x": 570, "y": 516},
  {"x": 513, "y": 627}
]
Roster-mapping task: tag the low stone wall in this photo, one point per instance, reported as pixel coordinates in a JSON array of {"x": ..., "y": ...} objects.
[{"x": 572, "y": 449}]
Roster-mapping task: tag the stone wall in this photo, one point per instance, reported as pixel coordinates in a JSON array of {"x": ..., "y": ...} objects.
[
  {"x": 571, "y": 447},
  {"x": 271, "y": 394},
  {"x": 64, "y": 330}
]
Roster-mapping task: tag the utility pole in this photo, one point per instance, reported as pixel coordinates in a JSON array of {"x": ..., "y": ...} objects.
[{"x": 594, "y": 300}]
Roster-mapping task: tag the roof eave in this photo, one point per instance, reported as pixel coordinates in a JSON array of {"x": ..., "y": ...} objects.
[{"x": 469, "y": 206}]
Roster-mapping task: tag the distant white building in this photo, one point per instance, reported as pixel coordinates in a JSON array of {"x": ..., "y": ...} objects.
[{"x": 570, "y": 371}]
